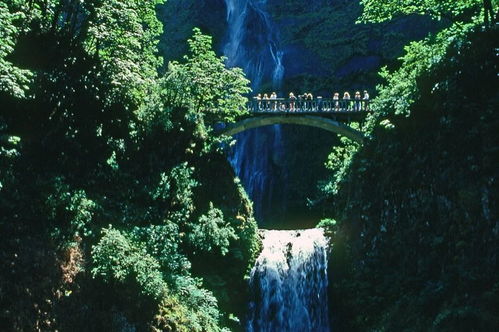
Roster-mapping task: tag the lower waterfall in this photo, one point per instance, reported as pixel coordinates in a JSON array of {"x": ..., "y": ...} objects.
[{"x": 289, "y": 283}]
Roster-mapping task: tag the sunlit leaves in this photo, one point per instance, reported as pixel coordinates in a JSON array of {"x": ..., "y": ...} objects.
[
  {"x": 175, "y": 190},
  {"x": 71, "y": 210},
  {"x": 124, "y": 36},
  {"x": 203, "y": 83},
  {"x": 339, "y": 161},
  {"x": 379, "y": 11},
  {"x": 401, "y": 89},
  {"x": 163, "y": 242},
  {"x": 80, "y": 151},
  {"x": 13, "y": 80},
  {"x": 117, "y": 258},
  {"x": 212, "y": 233}
]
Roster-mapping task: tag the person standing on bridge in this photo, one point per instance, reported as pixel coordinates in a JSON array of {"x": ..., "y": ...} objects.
[
  {"x": 346, "y": 101},
  {"x": 357, "y": 104},
  {"x": 273, "y": 96},
  {"x": 336, "y": 101},
  {"x": 258, "y": 100},
  {"x": 265, "y": 102},
  {"x": 292, "y": 101},
  {"x": 309, "y": 97},
  {"x": 300, "y": 105},
  {"x": 366, "y": 100}
]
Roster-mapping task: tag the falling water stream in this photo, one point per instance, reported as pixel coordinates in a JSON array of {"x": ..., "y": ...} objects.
[
  {"x": 289, "y": 280},
  {"x": 289, "y": 283},
  {"x": 252, "y": 43}
]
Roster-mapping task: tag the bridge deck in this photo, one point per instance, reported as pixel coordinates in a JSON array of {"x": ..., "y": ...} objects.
[
  {"x": 328, "y": 114},
  {"x": 319, "y": 106}
]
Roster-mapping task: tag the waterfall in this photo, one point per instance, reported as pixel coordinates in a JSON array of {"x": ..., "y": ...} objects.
[
  {"x": 289, "y": 283},
  {"x": 289, "y": 280},
  {"x": 252, "y": 43}
]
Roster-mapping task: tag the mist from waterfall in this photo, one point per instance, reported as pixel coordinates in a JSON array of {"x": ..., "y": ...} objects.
[
  {"x": 289, "y": 283},
  {"x": 253, "y": 44}
]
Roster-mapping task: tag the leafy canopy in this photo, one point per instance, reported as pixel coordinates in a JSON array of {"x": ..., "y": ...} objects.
[
  {"x": 212, "y": 232},
  {"x": 13, "y": 80},
  {"x": 100, "y": 141},
  {"x": 204, "y": 84},
  {"x": 376, "y": 11},
  {"x": 117, "y": 258},
  {"x": 124, "y": 34}
]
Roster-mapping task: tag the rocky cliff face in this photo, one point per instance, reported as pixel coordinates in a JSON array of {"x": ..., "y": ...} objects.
[
  {"x": 324, "y": 48},
  {"x": 418, "y": 215}
]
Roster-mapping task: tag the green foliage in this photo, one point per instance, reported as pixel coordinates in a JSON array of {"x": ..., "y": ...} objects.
[
  {"x": 13, "y": 80},
  {"x": 396, "y": 96},
  {"x": 326, "y": 223},
  {"x": 172, "y": 315},
  {"x": 212, "y": 233},
  {"x": 416, "y": 232},
  {"x": 204, "y": 85},
  {"x": 117, "y": 258},
  {"x": 197, "y": 316},
  {"x": 339, "y": 162},
  {"x": 90, "y": 137},
  {"x": 71, "y": 210},
  {"x": 163, "y": 243},
  {"x": 176, "y": 189},
  {"x": 203, "y": 314},
  {"x": 376, "y": 11},
  {"x": 123, "y": 34},
  {"x": 152, "y": 115},
  {"x": 401, "y": 90},
  {"x": 407, "y": 202}
]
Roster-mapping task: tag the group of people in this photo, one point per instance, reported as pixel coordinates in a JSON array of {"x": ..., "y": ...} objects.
[
  {"x": 305, "y": 101},
  {"x": 357, "y": 105}
]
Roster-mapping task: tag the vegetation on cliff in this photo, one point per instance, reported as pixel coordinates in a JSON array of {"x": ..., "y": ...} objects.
[
  {"x": 117, "y": 205},
  {"x": 119, "y": 211},
  {"x": 417, "y": 230}
]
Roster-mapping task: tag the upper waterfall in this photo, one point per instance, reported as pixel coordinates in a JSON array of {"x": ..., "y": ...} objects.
[{"x": 253, "y": 42}]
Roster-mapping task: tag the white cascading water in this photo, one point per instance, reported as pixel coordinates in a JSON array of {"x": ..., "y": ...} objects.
[
  {"x": 289, "y": 280},
  {"x": 289, "y": 283},
  {"x": 253, "y": 44}
]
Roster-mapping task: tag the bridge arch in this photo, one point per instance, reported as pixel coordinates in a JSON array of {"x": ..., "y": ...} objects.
[{"x": 305, "y": 120}]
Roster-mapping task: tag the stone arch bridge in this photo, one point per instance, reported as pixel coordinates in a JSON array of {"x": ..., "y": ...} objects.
[{"x": 327, "y": 114}]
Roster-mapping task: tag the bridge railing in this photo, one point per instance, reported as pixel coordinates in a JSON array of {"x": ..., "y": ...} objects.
[{"x": 318, "y": 105}]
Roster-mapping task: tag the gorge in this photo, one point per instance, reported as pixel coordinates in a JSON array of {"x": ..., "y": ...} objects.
[{"x": 123, "y": 209}]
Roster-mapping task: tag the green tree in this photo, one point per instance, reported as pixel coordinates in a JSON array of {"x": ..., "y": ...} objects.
[
  {"x": 117, "y": 258},
  {"x": 89, "y": 136},
  {"x": 204, "y": 85},
  {"x": 454, "y": 10},
  {"x": 211, "y": 233},
  {"x": 124, "y": 36},
  {"x": 13, "y": 80}
]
